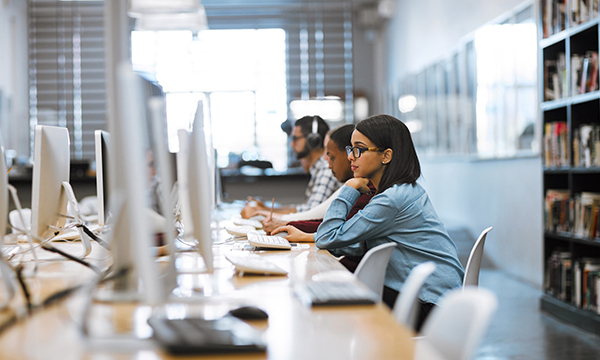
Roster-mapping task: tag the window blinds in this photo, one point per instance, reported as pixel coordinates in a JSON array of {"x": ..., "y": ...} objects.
[{"x": 66, "y": 70}]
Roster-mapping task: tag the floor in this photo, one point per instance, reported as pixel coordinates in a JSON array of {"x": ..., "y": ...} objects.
[{"x": 519, "y": 330}]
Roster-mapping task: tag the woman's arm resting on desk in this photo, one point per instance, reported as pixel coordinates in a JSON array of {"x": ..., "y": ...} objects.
[{"x": 294, "y": 235}]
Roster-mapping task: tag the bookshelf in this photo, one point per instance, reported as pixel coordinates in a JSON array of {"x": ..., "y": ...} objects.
[{"x": 570, "y": 114}]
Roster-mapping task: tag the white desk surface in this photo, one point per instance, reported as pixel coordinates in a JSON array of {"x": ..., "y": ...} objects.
[{"x": 293, "y": 331}]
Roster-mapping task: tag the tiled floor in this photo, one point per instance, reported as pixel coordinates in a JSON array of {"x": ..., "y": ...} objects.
[{"x": 519, "y": 330}]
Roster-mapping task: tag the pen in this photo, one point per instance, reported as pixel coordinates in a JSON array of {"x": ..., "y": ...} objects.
[
  {"x": 9, "y": 169},
  {"x": 271, "y": 214}
]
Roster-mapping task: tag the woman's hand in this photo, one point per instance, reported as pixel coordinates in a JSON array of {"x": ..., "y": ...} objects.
[
  {"x": 360, "y": 184},
  {"x": 271, "y": 224},
  {"x": 294, "y": 235}
]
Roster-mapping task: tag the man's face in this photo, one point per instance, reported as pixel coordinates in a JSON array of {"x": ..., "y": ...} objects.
[
  {"x": 338, "y": 162},
  {"x": 299, "y": 143}
]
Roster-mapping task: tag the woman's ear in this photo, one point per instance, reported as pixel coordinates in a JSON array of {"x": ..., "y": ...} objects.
[{"x": 387, "y": 156}]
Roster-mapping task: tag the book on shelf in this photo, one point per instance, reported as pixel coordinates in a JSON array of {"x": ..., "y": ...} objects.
[
  {"x": 558, "y": 276},
  {"x": 586, "y": 281},
  {"x": 584, "y": 73},
  {"x": 555, "y": 78},
  {"x": 582, "y": 11},
  {"x": 556, "y": 153},
  {"x": 586, "y": 208},
  {"x": 586, "y": 145},
  {"x": 553, "y": 16},
  {"x": 558, "y": 210}
]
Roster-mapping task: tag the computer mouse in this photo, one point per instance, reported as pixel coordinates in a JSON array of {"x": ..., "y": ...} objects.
[
  {"x": 249, "y": 313},
  {"x": 334, "y": 276}
]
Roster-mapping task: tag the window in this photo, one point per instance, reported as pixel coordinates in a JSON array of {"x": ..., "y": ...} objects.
[{"x": 242, "y": 82}]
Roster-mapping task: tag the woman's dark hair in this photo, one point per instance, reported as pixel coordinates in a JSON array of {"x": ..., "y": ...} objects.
[
  {"x": 342, "y": 136},
  {"x": 387, "y": 132}
]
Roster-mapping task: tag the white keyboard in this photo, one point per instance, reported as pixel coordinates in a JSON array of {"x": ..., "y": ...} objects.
[
  {"x": 268, "y": 241},
  {"x": 239, "y": 230},
  {"x": 255, "y": 265},
  {"x": 248, "y": 222}
]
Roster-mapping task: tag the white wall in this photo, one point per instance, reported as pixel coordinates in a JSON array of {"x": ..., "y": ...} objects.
[
  {"x": 14, "y": 75},
  {"x": 505, "y": 194}
]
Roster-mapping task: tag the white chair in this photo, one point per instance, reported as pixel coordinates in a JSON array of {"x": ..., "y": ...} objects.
[
  {"x": 454, "y": 330},
  {"x": 471, "y": 277},
  {"x": 371, "y": 269},
  {"x": 407, "y": 307}
]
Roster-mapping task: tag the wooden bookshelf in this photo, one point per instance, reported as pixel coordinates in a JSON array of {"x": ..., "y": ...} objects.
[{"x": 570, "y": 114}]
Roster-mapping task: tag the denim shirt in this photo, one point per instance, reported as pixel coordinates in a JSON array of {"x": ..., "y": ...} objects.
[{"x": 402, "y": 214}]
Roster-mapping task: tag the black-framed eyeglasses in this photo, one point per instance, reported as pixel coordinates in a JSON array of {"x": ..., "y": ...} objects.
[
  {"x": 357, "y": 151},
  {"x": 296, "y": 138}
]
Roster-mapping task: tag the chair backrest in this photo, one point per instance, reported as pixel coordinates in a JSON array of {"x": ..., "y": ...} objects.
[
  {"x": 455, "y": 328},
  {"x": 406, "y": 306},
  {"x": 474, "y": 262},
  {"x": 371, "y": 269}
]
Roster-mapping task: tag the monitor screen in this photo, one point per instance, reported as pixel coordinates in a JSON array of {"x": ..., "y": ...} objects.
[
  {"x": 102, "y": 139},
  {"x": 51, "y": 166}
]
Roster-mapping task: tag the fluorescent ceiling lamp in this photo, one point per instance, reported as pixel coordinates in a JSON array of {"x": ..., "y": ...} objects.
[
  {"x": 407, "y": 103},
  {"x": 161, "y": 22},
  {"x": 328, "y": 109},
  {"x": 138, "y": 8}
]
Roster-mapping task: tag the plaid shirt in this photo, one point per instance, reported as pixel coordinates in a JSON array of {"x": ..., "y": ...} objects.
[{"x": 321, "y": 185}]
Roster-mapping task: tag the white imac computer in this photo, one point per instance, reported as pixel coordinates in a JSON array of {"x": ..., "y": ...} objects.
[
  {"x": 200, "y": 187},
  {"x": 51, "y": 189},
  {"x": 130, "y": 235},
  {"x": 6, "y": 273},
  {"x": 102, "y": 142}
]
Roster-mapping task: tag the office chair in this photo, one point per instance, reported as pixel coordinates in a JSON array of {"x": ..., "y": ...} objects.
[
  {"x": 371, "y": 269},
  {"x": 455, "y": 328},
  {"x": 406, "y": 306},
  {"x": 471, "y": 277}
]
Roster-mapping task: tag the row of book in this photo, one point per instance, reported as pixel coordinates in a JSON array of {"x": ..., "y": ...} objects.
[
  {"x": 554, "y": 14},
  {"x": 584, "y": 75},
  {"x": 576, "y": 215},
  {"x": 586, "y": 145},
  {"x": 556, "y": 144},
  {"x": 576, "y": 281}
]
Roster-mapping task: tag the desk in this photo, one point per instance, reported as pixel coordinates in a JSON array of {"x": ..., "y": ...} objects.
[{"x": 293, "y": 331}]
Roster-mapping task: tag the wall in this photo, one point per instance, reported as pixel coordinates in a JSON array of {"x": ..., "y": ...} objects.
[
  {"x": 505, "y": 194},
  {"x": 14, "y": 117}
]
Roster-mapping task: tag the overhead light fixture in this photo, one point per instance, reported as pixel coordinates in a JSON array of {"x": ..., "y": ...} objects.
[
  {"x": 329, "y": 108},
  {"x": 162, "y": 22},
  {"x": 407, "y": 103},
  {"x": 139, "y": 8}
]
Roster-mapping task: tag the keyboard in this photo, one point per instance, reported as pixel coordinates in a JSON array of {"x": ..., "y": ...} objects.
[
  {"x": 248, "y": 222},
  {"x": 255, "y": 265},
  {"x": 239, "y": 230},
  {"x": 268, "y": 241},
  {"x": 8, "y": 251},
  {"x": 200, "y": 336},
  {"x": 317, "y": 293}
]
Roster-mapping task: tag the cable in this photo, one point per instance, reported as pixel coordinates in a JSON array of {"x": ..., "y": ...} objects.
[
  {"x": 93, "y": 236},
  {"x": 19, "y": 272},
  {"x": 48, "y": 247}
]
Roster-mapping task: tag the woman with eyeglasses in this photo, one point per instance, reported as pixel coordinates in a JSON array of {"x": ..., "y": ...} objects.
[{"x": 382, "y": 151}]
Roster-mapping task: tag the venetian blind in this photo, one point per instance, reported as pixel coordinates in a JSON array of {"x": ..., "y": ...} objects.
[{"x": 66, "y": 70}]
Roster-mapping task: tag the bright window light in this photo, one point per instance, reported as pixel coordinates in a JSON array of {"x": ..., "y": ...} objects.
[{"x": 240, "y": 73}]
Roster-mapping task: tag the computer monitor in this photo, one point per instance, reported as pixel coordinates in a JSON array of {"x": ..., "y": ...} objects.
[
  {"x": 102, "y": 141},
  {"x": 200, "y": 187},
  {"x": 50, "y": 184},
  {"x": 5, "y": 271},
  {"x": 130, "y": 235}
]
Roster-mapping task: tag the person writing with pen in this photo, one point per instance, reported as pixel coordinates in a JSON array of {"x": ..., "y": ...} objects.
[{"x": 383, "y": 153}]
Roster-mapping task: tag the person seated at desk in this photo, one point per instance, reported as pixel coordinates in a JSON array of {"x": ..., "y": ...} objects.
[
  {"x": 382, "y": 152},
  {"x": 307, "y": 142}
]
